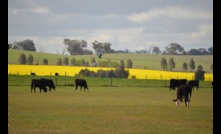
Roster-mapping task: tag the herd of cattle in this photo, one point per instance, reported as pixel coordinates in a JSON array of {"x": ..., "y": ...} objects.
[
  {"x": 43, "y": 83},
  {"x": 184, "y": 89}
]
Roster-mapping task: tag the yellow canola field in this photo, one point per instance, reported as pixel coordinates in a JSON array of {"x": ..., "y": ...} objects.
[{"x": 43, "y": 70}]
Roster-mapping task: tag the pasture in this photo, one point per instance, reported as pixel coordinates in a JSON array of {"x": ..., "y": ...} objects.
[
  {"x": 140, "y": 61},
  {"x": 128, "y": 106}
]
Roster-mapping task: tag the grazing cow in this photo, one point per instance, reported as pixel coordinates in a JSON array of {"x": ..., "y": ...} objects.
[
  {"x": 38, "y": 83},
  {"x": 81, "y": 83},
  {"x": 183, "y": 92},
  {"x": 194, "y": 83},
  {"x": 33, "y": 74},
  {"x": 176, "y": 83},
  {"x": 42, "y": 83},
  {"x": 49, "y": 83}
]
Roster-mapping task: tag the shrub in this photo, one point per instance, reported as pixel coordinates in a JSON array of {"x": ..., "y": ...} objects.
[
  {"x": 45, "y": 61},
  {"x": 129, "y": 63},
  {"x": 163, "y": 63},
  {"x": 22, "y": 59},
  {"x": 192, "y": 64},
  {"x": 185, "y": 67},
  {"x": 30, "y": 59},
  {"x": 59, "y": 62},
  {"x": 199, "y": 74},
  {"x": 65, "y": 61}
]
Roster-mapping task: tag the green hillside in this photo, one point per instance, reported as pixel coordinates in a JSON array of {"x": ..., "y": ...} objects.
[{"x": 147, "y": 61}]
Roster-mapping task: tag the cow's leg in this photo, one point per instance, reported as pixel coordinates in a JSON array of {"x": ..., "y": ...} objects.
[
  {"x": 45, "y": 89},
  {"x": 187, "y": 102},
  {"x": 178, "y": 103},
  {"x": 76, "y": 87}
]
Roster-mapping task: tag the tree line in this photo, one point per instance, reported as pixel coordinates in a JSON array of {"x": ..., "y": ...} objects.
[
  {"x": 23, "y": 59},
  {"x": 119, "y": 71},
  {"x": 79, "y": 47}
]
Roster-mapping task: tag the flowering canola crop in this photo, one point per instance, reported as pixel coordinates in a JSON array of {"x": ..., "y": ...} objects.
[{"x": 43, "y": 70}]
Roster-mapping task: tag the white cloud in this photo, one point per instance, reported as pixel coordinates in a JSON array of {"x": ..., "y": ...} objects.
[
  {"x": 133, "y": 26},
  {"x": 203, "y": 31},
  {"x": 40, "y": 10},
  {"x": 172, "y": 12}
]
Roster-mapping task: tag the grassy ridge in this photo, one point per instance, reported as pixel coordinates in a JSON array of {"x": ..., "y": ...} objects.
[
  {"x": 139, "y": 60},
  {"x": 129, "y": 106}
]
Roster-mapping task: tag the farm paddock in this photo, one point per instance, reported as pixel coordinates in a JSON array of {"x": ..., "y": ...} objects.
[{"x": 117, "y": 109}]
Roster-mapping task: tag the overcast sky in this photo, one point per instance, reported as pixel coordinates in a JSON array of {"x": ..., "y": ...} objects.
[{"x": 126, "y": 24}]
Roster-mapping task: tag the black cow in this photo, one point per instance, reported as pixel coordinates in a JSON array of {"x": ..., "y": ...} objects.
[
  {"x": 42, "y": 83},
  {"x": 183, "y": 92},
  {"x": 194, "y": 83},
  {"x": 33, "y": 74},
  {"x": 176, "y": 83},
  {"x": 38, "y": 83},
  {"x": 81, "y": 83},
  {"x": 49, "y": 83}
]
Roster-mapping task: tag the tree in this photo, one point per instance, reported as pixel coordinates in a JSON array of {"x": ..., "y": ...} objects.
[
  {"x": 185, "y": 67},
  {"x": 156, "y": 50},
  {"x": 199, "y": 74},
  {"x": 22, "y": 59},
  {"x": 203, "y": 51},
  {"x": 24, "y": 45},
  {"x": 87, "y": 52},
  {"x": 129, "y": 63},
  {"x": 100, "y": 48},
  {"x": 93, "y": 62},
  {"x": 45, "y": 61},
  {"x": 59, "y": 61},
  {"x": 149, "y": 49},
  {"x": 30, "y": 59},
  {"x": 171, "y": 64},
  {"x": 65, "y": 61},
  {"x": 121, "y": 63},
  {"x": 75, "y": 47},
  {"x": 210, "y": 50},
  {"x": 9, "y": 45},
  {"x": 163, "y": 63},
  {"x": 174, "y": 49},
  {"x": 83, "y": 62},
  {"x": 192, "y": 64},
  {"x": 194, "y": 52},
  {"x": 73, "y": 61},
  {"x": 121, "y": 73}
]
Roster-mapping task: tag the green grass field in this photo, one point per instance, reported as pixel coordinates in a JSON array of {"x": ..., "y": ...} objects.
[
  {"x": 140, "y": 61},
  {"x": 127, "y": 107}
]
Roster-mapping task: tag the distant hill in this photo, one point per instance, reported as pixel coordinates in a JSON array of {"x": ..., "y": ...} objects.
[{"x": 141, "y": 61}]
